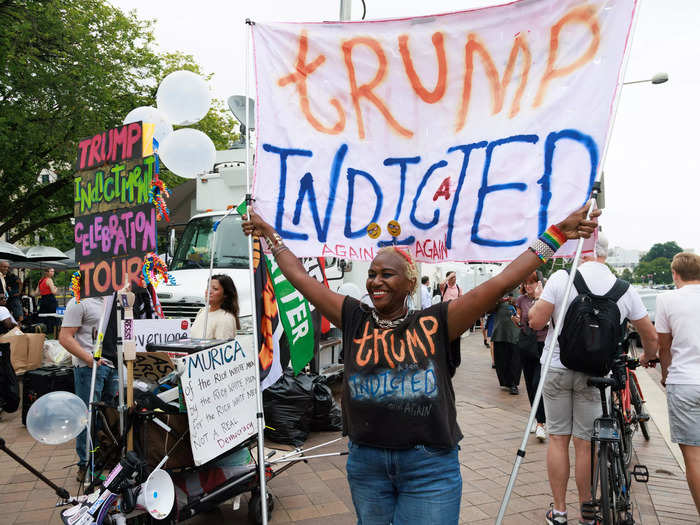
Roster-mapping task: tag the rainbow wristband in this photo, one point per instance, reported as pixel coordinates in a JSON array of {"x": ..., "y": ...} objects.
[{"x": 546, "y": 245}]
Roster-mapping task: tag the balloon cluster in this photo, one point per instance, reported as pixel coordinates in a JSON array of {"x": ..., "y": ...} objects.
[
  {"x": 154, "y": 271},
  {"x": 75, "y": 286},
  {"x": 157, "y": 195},
  {"x": 183, "y": 99}
]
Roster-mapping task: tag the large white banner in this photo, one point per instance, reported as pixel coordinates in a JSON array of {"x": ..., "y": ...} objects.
[{"x": 473, "y": 130}]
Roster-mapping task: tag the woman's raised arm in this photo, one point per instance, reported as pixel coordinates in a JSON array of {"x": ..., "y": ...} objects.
[
  {"x": 464, "y": 311},
  {"x": 329, "y": 303}
]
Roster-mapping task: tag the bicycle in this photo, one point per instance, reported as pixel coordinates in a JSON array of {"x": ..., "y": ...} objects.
[
  {"x": 611, "y": 502},
  {"x": 630, "y": 409}
]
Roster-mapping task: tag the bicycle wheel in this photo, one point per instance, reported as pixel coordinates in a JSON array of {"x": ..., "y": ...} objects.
[
  {"x": 638, "y": 404},
  {"x": 605, "y": 498},
  {"x": 626, "y": 432}
]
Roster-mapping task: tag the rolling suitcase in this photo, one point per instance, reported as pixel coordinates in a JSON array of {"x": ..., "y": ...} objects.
[{"x": 42, "y": 381}]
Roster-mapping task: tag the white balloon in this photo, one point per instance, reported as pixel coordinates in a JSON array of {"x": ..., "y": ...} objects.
[
  {"x": 188, "y": 152},
  {"x": 56, "y": 417},
  {"x": 153, "y": 116},
  {"x": 184, "y": 97}
]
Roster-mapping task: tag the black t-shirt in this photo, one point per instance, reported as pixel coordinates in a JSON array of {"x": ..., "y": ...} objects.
[{"x": 397, "y": 390}]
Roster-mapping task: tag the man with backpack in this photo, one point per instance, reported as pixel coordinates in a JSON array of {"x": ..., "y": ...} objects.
[{"x": 588, "y": 346}]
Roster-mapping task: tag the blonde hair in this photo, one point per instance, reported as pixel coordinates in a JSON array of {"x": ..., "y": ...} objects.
[
  {"x": 687, "y": 266},
  {"x": 410, "y": 270}
]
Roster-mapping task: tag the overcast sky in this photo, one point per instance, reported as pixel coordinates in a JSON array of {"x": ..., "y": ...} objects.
[{"x": 652, "y": 171}]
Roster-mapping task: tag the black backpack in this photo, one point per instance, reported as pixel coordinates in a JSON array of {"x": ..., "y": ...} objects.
[{"x": 592, "y": 331}]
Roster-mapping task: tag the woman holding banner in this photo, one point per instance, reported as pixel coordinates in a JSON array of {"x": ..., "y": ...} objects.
[
  {"x": 223, "y": 311},
  {"x": 398, "y": 401}
]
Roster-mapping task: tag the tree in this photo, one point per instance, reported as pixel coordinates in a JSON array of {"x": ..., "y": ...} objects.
[
  {"x": 666, "y": 250},
  {"x": 659, "y": 269},
  {"x": 70, "y": 69},
  {"x": 627, "y": 275}
]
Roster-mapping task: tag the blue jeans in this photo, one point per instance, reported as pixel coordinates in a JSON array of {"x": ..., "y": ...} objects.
[
  {"x": 419, "y": 485},
  {"x": 106, "y": 387}
]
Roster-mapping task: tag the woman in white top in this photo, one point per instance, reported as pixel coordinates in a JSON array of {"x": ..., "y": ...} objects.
[{"x": 223, "y": 311}]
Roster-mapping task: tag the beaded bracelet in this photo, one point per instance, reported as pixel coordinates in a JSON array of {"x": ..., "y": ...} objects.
[{"x": 548, "y": 243}]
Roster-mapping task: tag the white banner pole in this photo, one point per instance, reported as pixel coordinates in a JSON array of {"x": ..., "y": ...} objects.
[{"x": 258, "y": 394}]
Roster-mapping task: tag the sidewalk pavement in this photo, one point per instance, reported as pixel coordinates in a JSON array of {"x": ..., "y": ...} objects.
[{"x": 317, "y": 492}]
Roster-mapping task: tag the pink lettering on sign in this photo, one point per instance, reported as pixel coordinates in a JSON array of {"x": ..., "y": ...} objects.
[{"x": 110, "y": 147}]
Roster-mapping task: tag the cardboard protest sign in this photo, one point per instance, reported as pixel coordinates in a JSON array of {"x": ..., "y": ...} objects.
[
  {"x": 156, "y": 331},
  {"x": 115, "y": 226},
  {"x": 473, "y": 130},
  {"x": 153, "y": 366},
  {"x": 218, "y": 386}
]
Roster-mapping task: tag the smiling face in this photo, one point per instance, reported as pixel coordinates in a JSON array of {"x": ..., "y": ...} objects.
[
  {"x": 216, "y": 293},
  {"x": 388, "y": 285}
]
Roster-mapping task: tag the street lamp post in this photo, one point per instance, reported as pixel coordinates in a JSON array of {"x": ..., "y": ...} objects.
[{"x": 659, "y": 78}]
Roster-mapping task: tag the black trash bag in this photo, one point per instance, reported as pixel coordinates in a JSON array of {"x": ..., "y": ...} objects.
[
  {"x": 327, "y": 414},
  {"x": 289, "y": 408},
  {"x": 9, "y": 388}
]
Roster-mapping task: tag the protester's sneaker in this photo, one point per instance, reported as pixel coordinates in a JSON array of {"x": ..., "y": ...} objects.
[
  {"x": 552, "y": 518},
  {"x": 540, "y": 433},
  {"x": 514, "y": 390}
]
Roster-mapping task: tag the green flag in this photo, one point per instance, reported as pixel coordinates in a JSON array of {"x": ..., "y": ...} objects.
[{"x": 295, "y": 313}]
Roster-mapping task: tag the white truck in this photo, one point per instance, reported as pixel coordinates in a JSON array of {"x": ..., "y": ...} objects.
[{"x": 189, "y": 265}]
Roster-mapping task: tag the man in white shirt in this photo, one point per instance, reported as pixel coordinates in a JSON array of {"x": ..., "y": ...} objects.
[
  {"x": 570, "y": 404},
  {"x": 678, "y": 327},
  {"x": 425, "y": 299}
]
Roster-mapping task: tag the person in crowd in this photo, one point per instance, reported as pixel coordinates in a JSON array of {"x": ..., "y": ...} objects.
[
  {"x": 46, "y": 291},
  {"x": 7, "y": 321},
  {"x": 78, "y": 335},
  {"x": 487, "y": 332},
  {"x": 425, "y": 299},
  {"x": 570, "y": 404},
  {"x": 223, "y": 319},
  {"x": 11, "y": 286},
  {"x": 403, "y": 464},
  {"x": 449, "y": 289},
  {"x": 530, "y": 346},
  {"x": 505, "y": 349},
  {"x": 678, "y": 327}
]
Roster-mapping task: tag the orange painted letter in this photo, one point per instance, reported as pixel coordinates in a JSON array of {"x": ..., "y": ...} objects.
[
  {"x": 498, "y": 86},
  {"x": 303, "y": 70},
  {"x": 365, "y": 90},
  {"x": 584, "y": 14},
  {"x": 436, "y": 94}
]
